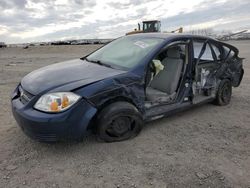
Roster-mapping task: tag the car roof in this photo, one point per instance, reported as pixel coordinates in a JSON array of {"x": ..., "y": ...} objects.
[
  {"x": 172, "y": 36},
  {"x": 168, "y": 36}
]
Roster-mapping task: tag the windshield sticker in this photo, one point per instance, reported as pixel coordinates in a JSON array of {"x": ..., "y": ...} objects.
[{"x": 141, "y": 44}]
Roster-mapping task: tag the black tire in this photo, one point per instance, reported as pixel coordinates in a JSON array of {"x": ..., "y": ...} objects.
[
  {"x": 224, "y": 93},
  {"x": 119, "y": 121}
]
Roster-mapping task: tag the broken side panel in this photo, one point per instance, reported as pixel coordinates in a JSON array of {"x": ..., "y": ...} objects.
[
  {"x": 237, "y": 71},
  {"x": 232, "y": 68}
]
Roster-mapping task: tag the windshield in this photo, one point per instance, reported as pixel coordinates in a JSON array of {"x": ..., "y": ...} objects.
[{"x": 125, "y": 52}]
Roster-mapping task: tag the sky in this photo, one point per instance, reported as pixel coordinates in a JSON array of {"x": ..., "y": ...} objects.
[{"x": 39, "y": 20}]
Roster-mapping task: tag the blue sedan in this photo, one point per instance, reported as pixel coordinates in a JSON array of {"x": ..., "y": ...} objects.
[{"x": 114, "y": 90}]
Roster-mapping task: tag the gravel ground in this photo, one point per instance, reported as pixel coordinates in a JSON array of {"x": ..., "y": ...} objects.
[{"x": 207, "y": 146}]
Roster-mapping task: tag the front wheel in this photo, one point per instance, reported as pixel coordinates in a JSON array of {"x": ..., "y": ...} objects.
[
  {"x": 224, "y": 93},
  {"x": 119, "y": 121}
]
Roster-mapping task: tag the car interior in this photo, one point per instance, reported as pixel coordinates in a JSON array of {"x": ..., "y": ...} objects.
[
  {"x": 163, "y": 83},
  {"x": 167, "y": 68},
  {"x": 206, "y": 58}
]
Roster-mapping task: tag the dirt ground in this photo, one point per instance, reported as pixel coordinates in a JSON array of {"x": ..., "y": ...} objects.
[{"x": 207, "y": 146}]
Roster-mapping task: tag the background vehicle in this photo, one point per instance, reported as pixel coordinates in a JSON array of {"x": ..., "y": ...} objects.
[
  {"x": 3, "y": 45},
  {"x": 147, "y": 27},
  {"x": 152, "y": 26}
]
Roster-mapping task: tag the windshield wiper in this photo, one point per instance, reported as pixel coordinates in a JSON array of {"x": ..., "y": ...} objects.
[{"x": 98, "y": 62}]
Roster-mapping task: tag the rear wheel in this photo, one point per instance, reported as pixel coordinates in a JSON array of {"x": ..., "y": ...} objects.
[
  {"x": 224, "y": 93},
  {"x": 118, "y": 121}
]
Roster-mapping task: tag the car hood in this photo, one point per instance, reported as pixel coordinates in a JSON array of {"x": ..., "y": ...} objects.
[{"x": 76, "y": 73}]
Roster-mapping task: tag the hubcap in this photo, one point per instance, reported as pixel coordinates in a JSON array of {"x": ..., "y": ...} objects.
[{"x": 119, "y": 126}]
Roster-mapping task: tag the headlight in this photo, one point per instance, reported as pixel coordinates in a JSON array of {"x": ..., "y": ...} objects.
[{"x": 56, "y": 102}]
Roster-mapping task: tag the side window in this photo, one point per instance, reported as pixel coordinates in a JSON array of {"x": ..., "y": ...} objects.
[
  {"x": 166, "y": 60},
  {"x": 216, "y": 51},
  {"x": 207, "y": 55},
  {"x": 228, "y": 53},
  {"x": 197, "y": 49},
  {"x": 173, "y": 51}
]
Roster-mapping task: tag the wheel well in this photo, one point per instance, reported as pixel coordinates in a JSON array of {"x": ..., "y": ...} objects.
[
  {"x": 219, "y": 81},
  {"x": 92, "y": 124},
  {"x": 116, "y": 99}
]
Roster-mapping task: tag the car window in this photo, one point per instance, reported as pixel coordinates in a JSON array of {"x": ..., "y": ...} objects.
[
  {"x": 197, "y": 48},
  {"x": 207, "y": 55},
  {"x": 216, "y": 51},
  {"x": 228, "y": 53},
  {"x": 125, "y": 52}
]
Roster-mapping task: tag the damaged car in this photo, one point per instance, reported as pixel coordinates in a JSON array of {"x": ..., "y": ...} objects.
[{"x": 113, "y": 91}]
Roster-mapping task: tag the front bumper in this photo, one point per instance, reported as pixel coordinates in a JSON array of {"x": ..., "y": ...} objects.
[{"x": 50, "y": 127}]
